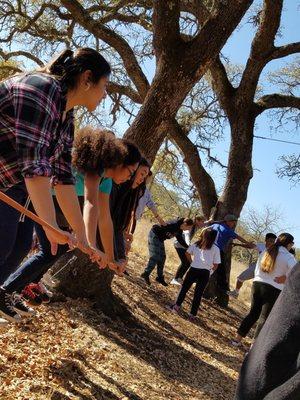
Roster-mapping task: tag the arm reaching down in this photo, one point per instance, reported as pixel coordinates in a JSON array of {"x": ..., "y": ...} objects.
[
  {"x": 105, "y": 225},
  {"x": 91, "y": 208}
]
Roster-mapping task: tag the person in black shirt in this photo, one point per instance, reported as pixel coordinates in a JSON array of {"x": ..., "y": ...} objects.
[{"x": 157, "y": 235}]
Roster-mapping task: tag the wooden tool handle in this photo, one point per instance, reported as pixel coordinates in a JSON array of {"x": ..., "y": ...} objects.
[{"x": 37, "y": 219}]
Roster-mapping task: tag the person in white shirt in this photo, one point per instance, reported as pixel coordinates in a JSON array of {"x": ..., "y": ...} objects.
[
  {"x": 248, "y": 273},
  {"x": 147, "y": 201},
  {"x": 199, "y": 223},
  {"x": 272, "y": 269},
  {"x": 204, "y": 257}
]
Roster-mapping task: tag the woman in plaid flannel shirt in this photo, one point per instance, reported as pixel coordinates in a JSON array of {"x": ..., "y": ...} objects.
[{"x": 36, "y": 138}]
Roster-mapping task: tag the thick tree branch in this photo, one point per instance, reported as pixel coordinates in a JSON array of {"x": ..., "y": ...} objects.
[
  {"x": 114, "y": 40},
  {"x": 222, "y": 86},
  {"x": 261, "y": 49},
  {"x": 132, "y": 94},
  {"x": 201, "y": 178},
  {"x": 20, "y": 53},
  {"x": 276, "y": 100},
  {"x": 222, "y": 22},
  {"x": 284, "y": 51},
  {"x": 166, "y": 31}
]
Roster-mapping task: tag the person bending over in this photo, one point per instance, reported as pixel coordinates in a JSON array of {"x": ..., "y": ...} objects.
[{"x": 157, "y": 236}]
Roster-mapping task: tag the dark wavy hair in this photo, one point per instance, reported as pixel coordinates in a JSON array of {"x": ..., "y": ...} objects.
[
  {"x": 95, "y": 149},
  {"x": 68, "y": 65},
  {"x": 142, "y": 186}
]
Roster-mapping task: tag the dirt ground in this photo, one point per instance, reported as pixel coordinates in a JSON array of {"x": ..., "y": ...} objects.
[{"x": 72, "y": 351}]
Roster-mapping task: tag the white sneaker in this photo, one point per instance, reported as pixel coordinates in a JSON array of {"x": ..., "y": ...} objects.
[
  {"x": 233, "y": 293},
  {"x": 175, "y": 282},
  {"x": 44, "y": 289}
]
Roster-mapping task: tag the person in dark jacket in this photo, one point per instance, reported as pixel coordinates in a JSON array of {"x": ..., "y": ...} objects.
[
  {"x": 271, "y": 370},
  {"x": 157, "y": 235}
]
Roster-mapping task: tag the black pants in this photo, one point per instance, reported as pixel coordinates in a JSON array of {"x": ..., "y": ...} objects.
[
  {"x": 221, "y": 275},
  {"x": 262, "y": 301},
  {"x": 185, "y": 264},
  {"x": 201, "y": 277}
]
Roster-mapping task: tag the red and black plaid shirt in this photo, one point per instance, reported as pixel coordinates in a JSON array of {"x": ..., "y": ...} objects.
[{"x": 33, "y": 139}]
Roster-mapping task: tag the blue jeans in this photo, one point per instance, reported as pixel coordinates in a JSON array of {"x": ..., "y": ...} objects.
[
  {"x": 157, "y": 255},
  {"x": 15, "y": 236},
  {"x": 33, "y": 269}
]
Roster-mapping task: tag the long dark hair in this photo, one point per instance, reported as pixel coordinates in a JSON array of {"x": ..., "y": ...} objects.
[
  {"x": 142, "y": 187},
  {"x": 206, "y": 239},
  {"x": 269, "y": 258},
  {"x": 124, "y": 200},
  {"x": 68, "y": 65},
  {"x": 95, "y": 149}
]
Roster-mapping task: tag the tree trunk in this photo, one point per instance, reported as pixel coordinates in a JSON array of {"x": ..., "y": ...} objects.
[
  {"x": 180, "y": 66},
  {"x": 235, "y": 191},
  {"x": 77, "y": 277},
  {"x": 165, "y": 96},
  {"x": 240, "y": 171}
]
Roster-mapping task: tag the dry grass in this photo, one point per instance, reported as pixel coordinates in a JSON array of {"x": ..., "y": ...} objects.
[{"x": 75, "y": 352}]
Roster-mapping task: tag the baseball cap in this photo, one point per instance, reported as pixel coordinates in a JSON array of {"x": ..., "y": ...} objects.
[{"x": 230, "y": 217}]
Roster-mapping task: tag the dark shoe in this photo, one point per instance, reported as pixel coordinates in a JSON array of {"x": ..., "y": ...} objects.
[
  {"x": 161, "y": 280},
  {"x": 192, "y": 318},
  {"x": 174, "y": 308},
  {"x": 20, "y": 307},
  {"x": 6, "y": 307},
  {"x": 41, "y": 290},
  {"x": 145, "y": 276},
  {"x": 31, "y": 296}
]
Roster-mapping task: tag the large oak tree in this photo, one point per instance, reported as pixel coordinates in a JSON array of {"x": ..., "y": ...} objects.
[{"x": 37, "y": 28}]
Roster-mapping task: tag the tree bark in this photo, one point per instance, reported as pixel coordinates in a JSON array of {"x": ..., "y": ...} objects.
[
  {"x": 202, "y": 180},
  {"x": 240, "y": 171},
  {"x": 179, "y": 66},
  {"x": 234, "y": 195},
  {"x": 78, "y": 277}
]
